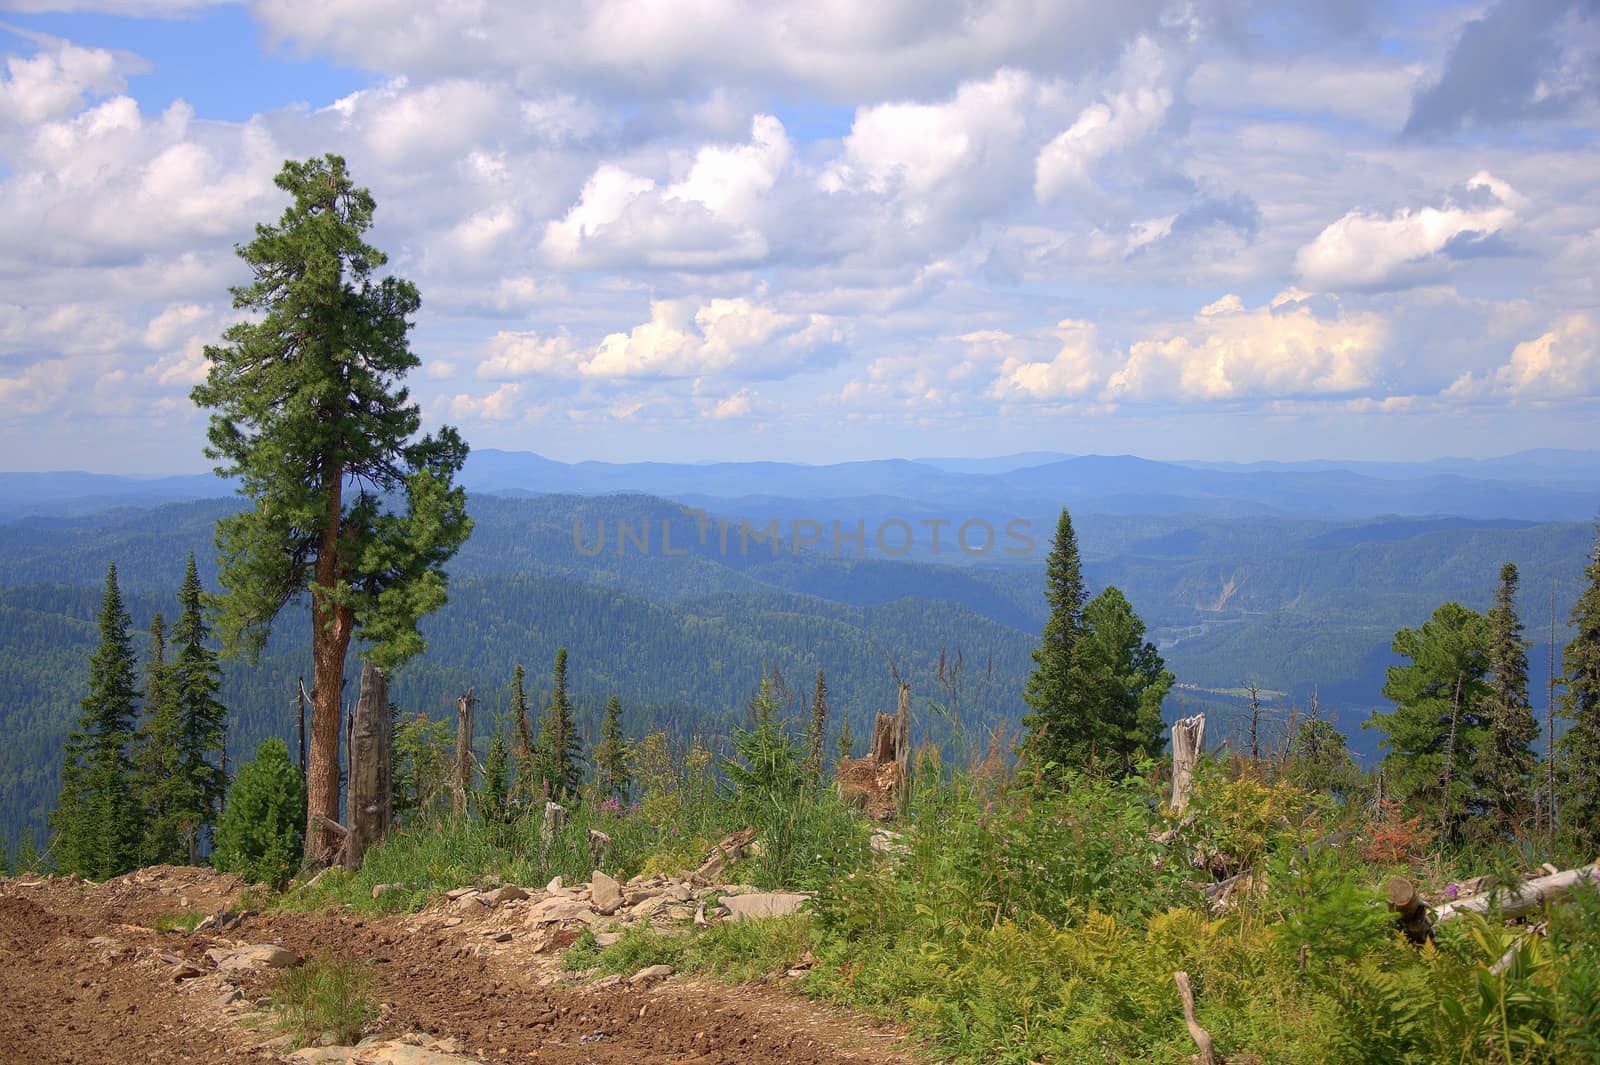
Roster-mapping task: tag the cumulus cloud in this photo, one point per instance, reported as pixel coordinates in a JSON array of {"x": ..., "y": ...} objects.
[
  {"x": 1563, "y": 363},
  {"x": 711, "y": 218},
  {"x": 1122, "y": 117},
  {"x": 1523, "y": 60},
  {"x": 1078, "y": 367},
  {"x": 58, "y": 79},
  {"x": 729, "y": 337},
  {"x": 1231, "y": 351},
  {"x": 1367, "y": 250}
]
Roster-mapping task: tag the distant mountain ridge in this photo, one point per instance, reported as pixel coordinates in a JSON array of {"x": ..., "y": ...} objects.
[{"x": 1540, "y": 485}]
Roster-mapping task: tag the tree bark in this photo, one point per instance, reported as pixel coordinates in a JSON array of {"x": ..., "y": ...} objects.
[
  {"x": 463, "y": 775},
  {"x": 367, "y": 809},
  {"x": 1524, "y": 897},
  {"x": 902, "y": 743},
  {"x": 1416, "y": 917},
  {"x": 1188, "y": 740},
  {"x": 331, "y": 628}
]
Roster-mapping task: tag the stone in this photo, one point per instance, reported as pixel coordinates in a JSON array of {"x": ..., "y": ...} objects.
[
  {"x": 470, "y": 904},
  {"x": 651, "y": 972},
  {"x": 647, "y": 907},
  {"x": 608, "y": 981},
  {"x": 227, "y": 998},
  {"x": 763, "y": 904},
  {"x": 606, "y": 939},
  {"x": 508, "y": 893},
  {"x": 461, "y": 892},
  {"x": 323, "y": 1055},
  {"x": 606, "y": 893},
  {"x": 394, "y": 1052},
  {"x": 261, "y": 956},
  {"x": 556, "y": 884},
  {"x": 559, "y": 909}
]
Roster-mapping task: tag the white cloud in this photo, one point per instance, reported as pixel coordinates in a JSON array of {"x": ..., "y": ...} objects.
[
  {"x": 1120, "y": 119},
  {"x": 55, "y": 81},
  {"x": 1363, "y": 250},
  {"x": 1563, "y": 363},
  {"x": 722, "y": 338},
  {"x": 1078, "y": 368},
  {"x": 1230, "y": 351}
]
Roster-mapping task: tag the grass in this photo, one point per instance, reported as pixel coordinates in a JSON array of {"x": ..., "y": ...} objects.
[
  {"x": 325, "y": 995},
  {"x": 739, "y": 952},
  {"x": 179, "y": 922}
]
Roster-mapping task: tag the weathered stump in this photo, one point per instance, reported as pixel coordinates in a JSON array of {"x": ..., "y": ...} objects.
[{"x": 367, "y": 795}]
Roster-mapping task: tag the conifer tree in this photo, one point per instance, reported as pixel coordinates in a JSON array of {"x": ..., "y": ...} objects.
[
  {"x": 1436, "y": 732},
  {"x": 818, "y": 727},
  {"x": 1055, "y": 726},
  {"x": 202, "y": 719},
  {"x": 767, "y": 769},
  {"x": 526, "y": 787},
  {"x": 491, "y": 796},
  {"x": 1578, "y": 755},
  {"x": 1508, "y": 759},
  {"x": 308, "y": 412},
  {"x": 260, "y": 834},
  {"x": 611, "y": 755},
  {"x": 159, "y": 784},
  {"x": 847, "y": 742},
  {"x": 98, "y": 817},
  {"x": 559, "y": 753}
]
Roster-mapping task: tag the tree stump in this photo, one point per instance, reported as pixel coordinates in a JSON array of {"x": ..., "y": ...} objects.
[
  {"x": 367, "y": 794},
  {"x": 463, "y": 767},
  {"x": 1188, "y": 741}
]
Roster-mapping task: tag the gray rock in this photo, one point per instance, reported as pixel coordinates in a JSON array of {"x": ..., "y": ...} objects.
[
  {"x": 763, "y": 904},
  {"x": 560, "y": 909},
  {"x": 653, "y": 972},
  {"x": 261, "y": 956},
  {"x": 606, "y": 893},
  {"x": 556, "y": 884},
  {"x": 508, "y": 893}
]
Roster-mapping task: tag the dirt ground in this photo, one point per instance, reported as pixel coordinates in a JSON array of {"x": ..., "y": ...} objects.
[{"x": 85, "y": 978}]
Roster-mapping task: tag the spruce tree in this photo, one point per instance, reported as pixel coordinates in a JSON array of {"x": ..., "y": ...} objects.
[
  {"x": 847, "y": 742},
  {"x": 526, "y": 786},
  {"x": 98, "y": 816},
  {"x": 1436, "y": 732},
  {"x": 1117, "y": 682},
  {"x": 818, "y": 727},
  {"x": 309, "y": 413},
  {"x": 611, "y": 755},
  {"x": 559, "y": 753},
  {"x": 1056, "y": 725},
  {"x": 159, "y": 784},
  {"x": 491, "y": 795},
  {"x": 203, "y": 720},
  {"x": 1508, "y": 759},
  {"x": 260, "y": 834},
  {"x": 1578, "y": 756}
]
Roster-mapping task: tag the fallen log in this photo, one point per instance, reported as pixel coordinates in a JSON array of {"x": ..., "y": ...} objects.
[{"x": 1523, "y": 898}]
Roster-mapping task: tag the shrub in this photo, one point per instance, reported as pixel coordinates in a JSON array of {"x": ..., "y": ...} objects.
[{"x": 263, "y": 824}]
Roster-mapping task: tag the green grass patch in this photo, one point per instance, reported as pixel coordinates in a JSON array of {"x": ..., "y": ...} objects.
[
  {"x": 737, "y": 952},
  {"x": 179, "y": 922},
  {"x": 325, "y": 995}
]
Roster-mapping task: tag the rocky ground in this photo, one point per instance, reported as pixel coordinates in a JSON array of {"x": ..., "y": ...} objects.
[{"x": 86, "y": 977}]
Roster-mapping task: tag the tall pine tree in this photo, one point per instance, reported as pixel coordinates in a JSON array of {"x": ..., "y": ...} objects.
[
  {"x": 526, "y": 786},
  {"x": 1508, "y": 760},
  {"x": 1578, "y": 756},
  {"x": 202, "y": 719},
  {"x": 611, "y": 755},
  {"x": 159, "y": 784},
  {"x": 818, "y": 727},
  {"x": 98, "y": 817},
  {"x": 1056, "y": 726},
  {"x": 1436, "y": 732},
  {"x": 559, "y": 752}
]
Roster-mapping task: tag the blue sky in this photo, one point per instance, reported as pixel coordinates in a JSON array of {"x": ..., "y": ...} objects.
[{"x": 1203, "y": 229}]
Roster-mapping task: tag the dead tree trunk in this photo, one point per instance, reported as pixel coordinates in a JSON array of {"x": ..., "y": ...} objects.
[
  {"x": 902, "y": 743},
  {"x": 1188, "y": 741},
  {"x": 1201, "y": 1037},
  {"x": 463, "y": 773},
  {"x": 555, "y": 817},
  {"x": 367, "y": 797},
  {"x": 302, "y": 697}
]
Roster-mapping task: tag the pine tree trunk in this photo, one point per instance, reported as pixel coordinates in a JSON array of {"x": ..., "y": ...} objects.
[{"x": 331, "y": 628}]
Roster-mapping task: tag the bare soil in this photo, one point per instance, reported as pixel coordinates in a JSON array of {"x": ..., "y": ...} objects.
[{"x": 85, "y": 978}]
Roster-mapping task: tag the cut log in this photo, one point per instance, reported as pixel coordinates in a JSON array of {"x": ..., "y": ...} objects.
[
  {"x": 1201, "y": 1037},
  {"x": 1416, "y": 916},
  {"x": 555, "y": 817},
  {"x": 463, "y": 767},
  {"x": 1523, "y": 898},
  {"x": 367, "y": 794},
  {"x": 1188, "y": 741}
]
